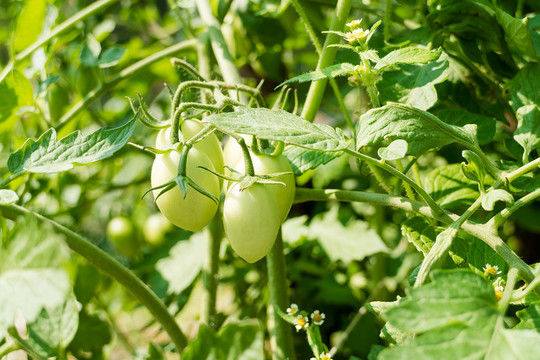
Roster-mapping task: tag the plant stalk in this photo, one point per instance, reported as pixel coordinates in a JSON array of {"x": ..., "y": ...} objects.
[
  {"x": 210, "y": 271},
  {"x": 280, "y": 331}
]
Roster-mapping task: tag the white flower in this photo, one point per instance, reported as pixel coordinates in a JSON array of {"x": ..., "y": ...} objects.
[
  {"x": 355, "y": 24},
  {"x": 325, "y": 357},
  {"x": 301, "y": 322},
  {"x": 318, "y": 317},
  {"x": 491, "y": 270},
  {"x": 293, "y": 309}
]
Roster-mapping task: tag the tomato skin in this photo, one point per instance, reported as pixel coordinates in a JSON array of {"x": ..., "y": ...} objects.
[
  {"x": 232, "y": 152},
  {"x": 210, "y": 145},
  {"x": 195, "y": 210},
  {"x": 122, "y": 234},
  {"x": 265, "y": 165},
  {"x": 251, "y": 220}
]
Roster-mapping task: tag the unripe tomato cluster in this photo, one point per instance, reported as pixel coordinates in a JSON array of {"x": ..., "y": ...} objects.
[{"x": 251, "y": 217}]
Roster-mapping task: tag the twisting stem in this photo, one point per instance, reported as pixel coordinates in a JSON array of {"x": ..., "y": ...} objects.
[
  {"x": 280, "y": 331},
  {"x": 501, "y": 217},
  {"x": 115, "y": 270}
]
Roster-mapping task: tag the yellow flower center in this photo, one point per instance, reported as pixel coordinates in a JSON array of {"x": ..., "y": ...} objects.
[
  {"x": 301, "y": 322},
  {"x": 326, "y": 357},
  {"x": 498, "y": 294},
  {"x": 317, "y": 318},
  {"x": 491, "y": 271}
]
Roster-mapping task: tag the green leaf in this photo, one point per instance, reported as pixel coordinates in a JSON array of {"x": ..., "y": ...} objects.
[
  {"x": 237, "y": 340},
  {"x": 52, "y": 331},
  {"x": 408, "y": 55},
  {"x": 111, "y": 57},
  {"x": 450, "y": 188},
  {"x": 460, "y": 117},
  {"x": 29, "y": 24},
  {"x": 527, "y": 133},
  {"x": 92, "y": 335},
  {"x": 488, "y": 202},
  {"x": 422, "y": 130},
  {"x": 395, "y": 151},
  {"x": 353, "y": 241},
  {"x": 456, "y": 316},
  {"x": 329, "y": 72},
  {"x": 183, "y": 264},
  {"x": 414, "y": 85},
  {"x": 154, "y": 352},
  {"x": 480, "y": 254},
  {"x": 303, "y": 160},
  {"x": 420, "y": 232},
  {"x": 29, "y": 291},
  {"x": 15, "y": 92},
  {"x": 280, "y": 125},
  {"x": 90, "y": 52},
  {"x": 8, "y": 197},
  {"x": 516, "y": 32},
  {"x": 529, "y": 318},
  {"x": 475, "y": 169},
  {"x": 523, "y": 88},
  {"x": 47, "y": 156}
]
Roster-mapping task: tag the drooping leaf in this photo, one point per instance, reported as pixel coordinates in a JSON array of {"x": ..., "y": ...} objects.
[
  {"x": 456, "y": 317},
  {"x": 236, "y": 340},
  {"x": 422, "y": 130},
  {"x": 353, "y": 241},
  {"x": 303, "y": 160},
  {"x": 408, "y": 55},
  {"x": 15, "y": 92},
  {"x": 183, "y": 264},
  {"x": 29, "y": 24},
  {"x": 329, "y": 72},
  {"x": 92, "y": 335},
  {"x": 280, "y": 125},
  {"x": 395, "y": 151},
  {"x": 46, "y": 155},
  {"x": 8, "y": 197},
  {"x": 460, "y": 117},
  {"x": 527, "y": 133}
]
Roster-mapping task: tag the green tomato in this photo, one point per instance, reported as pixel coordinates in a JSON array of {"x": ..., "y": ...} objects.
[
  {"x": 195, "y": 210},
  {"x": 210, "y": 145},
  {"x": 155, "y": 228},
  {"x": 122, "y": 234},
  {"x": 251, "y": 219},
  {"x": 265, "y": 165},
  {"x": 232, "y": 152}
]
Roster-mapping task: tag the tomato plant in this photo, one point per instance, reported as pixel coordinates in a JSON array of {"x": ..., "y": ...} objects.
[{"x": 406, "y": 135}]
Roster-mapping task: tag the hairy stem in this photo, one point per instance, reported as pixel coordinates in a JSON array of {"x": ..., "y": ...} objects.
[
  {"x": 115, "y": 270},
  {"x": 210, "y": 271}
]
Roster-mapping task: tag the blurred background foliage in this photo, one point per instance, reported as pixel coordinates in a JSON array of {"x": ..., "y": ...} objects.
[{"x": 327, "y": 269}]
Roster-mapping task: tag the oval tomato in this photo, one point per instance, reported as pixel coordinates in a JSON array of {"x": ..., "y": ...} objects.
[
  {"x": 195, "y": 210},
  {"x": 122, "y": 234},
  {"x": 232, "y": 152},
  {"x": 251, "y": 219},
  {"x": 155, "y": 228},
  {"x": 210, "y": 145},
  {"x": 265, "y": 165}
]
